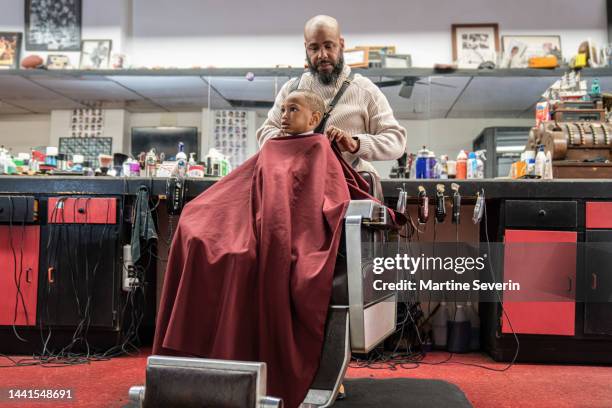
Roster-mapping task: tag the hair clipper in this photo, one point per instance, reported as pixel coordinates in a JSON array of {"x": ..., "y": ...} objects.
[
  {"x": 440, "y": 203},
  {"x": 456, "y": 204},
  {"x": 423, "y": 203},
  {"x": 479, "y": 207}
]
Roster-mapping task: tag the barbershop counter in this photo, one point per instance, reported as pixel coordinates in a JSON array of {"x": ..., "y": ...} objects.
[
  {"x": 576, "y": 211},
  {"x": 493, "y": 188}
]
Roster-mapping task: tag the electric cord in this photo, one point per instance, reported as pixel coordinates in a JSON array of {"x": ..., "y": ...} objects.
[
  {"x": 391, "y": 361},
  {"x": 125, "y": 344}
]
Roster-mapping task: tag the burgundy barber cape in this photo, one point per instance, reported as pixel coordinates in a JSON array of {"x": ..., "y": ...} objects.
[{"x": 251, "y": 266}]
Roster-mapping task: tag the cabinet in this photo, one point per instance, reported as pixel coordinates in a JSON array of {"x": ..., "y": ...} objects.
[
  {"x": 544, "y": 263},
  {"x": 19, "y": 255},
  {"x": 82, "y": 283}
]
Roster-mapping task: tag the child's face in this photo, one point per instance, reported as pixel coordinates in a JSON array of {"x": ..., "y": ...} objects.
[{"x": 297, "y": 117}]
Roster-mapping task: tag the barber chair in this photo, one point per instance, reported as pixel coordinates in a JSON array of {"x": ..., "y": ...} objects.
[
  {"x": 359, "y": 319},
  {"x": 197, "y": 382}
]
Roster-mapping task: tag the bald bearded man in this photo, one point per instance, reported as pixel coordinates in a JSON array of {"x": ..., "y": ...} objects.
[{"x": 362, "y": 122}]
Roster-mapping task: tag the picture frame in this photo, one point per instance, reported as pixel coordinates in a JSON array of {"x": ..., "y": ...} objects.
[
  {"x": 356, "y": 58},
  {"x": 474, "y": 44},
  {"x": 58, "y": 61},
  {"x": 53, "y": 25},
  {"x": 95, "y": 54},
  {"x": 517, "y": 49},
  {"x": 10, "y": 50}
]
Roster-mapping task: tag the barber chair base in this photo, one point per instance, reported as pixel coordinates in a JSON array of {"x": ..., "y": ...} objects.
[{"x": 335, "y": 358}]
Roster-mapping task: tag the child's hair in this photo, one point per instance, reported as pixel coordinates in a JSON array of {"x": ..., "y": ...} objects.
[{"x": 314, "y": 101}]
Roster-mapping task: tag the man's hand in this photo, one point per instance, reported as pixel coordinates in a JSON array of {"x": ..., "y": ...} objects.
[{"x": 345, "y": 142}]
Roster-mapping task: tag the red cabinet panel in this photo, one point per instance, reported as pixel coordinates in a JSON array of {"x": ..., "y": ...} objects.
[
  {"x": 598, "y": 214},
  {"x": 544, "y": 263},
  {"x": 19, "y": 269},
  {"x": 82, "y": 210}
]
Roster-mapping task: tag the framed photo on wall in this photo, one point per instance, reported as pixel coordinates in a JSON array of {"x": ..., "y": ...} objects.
[
  {"x": 95, "y": 54},
  {"x": 10, "y": 50},
  {"x": 474, "y": 44},
  {"x": 518, "y": 49},
  {"x": 53, "y": 25}
]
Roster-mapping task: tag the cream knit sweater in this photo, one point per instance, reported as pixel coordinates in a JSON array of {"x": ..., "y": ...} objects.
[{"x": 363, "y": 111}]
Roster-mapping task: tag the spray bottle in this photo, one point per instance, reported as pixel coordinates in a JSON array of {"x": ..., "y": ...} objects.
[
  {"x": 480, "y": 165},
  {"x": 471, "y": 166}
]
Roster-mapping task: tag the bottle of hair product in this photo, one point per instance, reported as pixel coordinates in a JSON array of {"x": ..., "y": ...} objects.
[
  {"x": 480, "y": 165},
  {"x": 471, "y": 166},
  {"x": 431, "y": 164},
  {"x": 540, "y": 162},
  {"x": 181, "y": 160},
  {"x": 421, "y": 163},
  {"x": 461, "y": 165},
  {"x": 548, "y": 171}
]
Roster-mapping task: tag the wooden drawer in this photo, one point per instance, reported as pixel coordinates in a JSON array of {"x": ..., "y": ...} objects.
[
  {"x": 82, "y": 210},
  {"x": 598, "y": 214},
  {"x": 541, "y": 214}
]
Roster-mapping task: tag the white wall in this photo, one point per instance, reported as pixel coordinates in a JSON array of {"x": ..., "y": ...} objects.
[
  {"x": 22, "y": 132},
  {"x": 236, "y": 33},
  {"x": 106, "y": 20}
]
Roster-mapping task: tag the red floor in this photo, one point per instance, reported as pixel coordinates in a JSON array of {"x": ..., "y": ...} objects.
[{"x": 105, "y": 384}]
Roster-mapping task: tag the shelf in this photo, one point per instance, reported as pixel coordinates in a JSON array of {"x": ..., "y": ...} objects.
[
  {"x": 501, "y": 93},
  {"x": 292, "y": 72}
]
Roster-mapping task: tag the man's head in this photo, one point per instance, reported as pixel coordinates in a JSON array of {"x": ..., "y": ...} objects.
[
  {"x": 324, "y": 48},
  {"x": 301, "y": 112}
]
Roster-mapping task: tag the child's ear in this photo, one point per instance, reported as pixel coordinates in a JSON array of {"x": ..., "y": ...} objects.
[{"x": 315, "y": 119}]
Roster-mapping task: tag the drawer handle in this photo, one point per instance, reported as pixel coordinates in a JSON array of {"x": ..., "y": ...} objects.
[
  {"x": 81, "y": 210},
  {"x": 28, "y": 277},
  {"x": 593, "y": 281},
  {"x": 542, "y": 213},
  {"x": 50, "y": 275},
  {"x": 569, "y": 281}
]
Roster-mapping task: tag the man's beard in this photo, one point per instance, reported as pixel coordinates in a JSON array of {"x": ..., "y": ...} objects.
[{"x": 327, "y": 78}]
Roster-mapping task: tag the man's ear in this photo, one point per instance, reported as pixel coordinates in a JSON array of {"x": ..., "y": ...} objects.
[{"x": 342, "y": 43}]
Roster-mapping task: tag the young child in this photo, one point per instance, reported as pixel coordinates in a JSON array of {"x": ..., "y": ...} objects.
[{"x": 301, "y": 112}]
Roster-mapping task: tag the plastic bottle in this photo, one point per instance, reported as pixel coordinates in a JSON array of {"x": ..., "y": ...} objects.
[
  {"x": 480, "y": 166},
  {"x": 192, "y": 161},
  {"x": 421, "y": 163},
  {"x": 548, "y": 171},
  {"x": 431, "y": 164},
  {"x": 471, "y": 166},
  {"x": 531, "y": 167},
  {"x": 181, "y": 160},
  {"x": 540, "y": 162},
  {"x": 459, "y": 331},
  {"x": 461, "y": 165},
  {"x": 441, "y": 169},
  {"x": 150, "y": 163},
  {"x": 440, "y": 326},
  {"x": 475, "y": 323}
]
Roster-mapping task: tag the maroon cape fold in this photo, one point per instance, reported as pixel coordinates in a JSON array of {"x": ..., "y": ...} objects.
[{"x": 251, "y": 265}]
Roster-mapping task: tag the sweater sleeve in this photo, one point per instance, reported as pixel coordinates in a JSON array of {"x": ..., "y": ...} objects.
[
  {"x": 386, "y": 139},
  {"x": 271, "y": 127}
]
